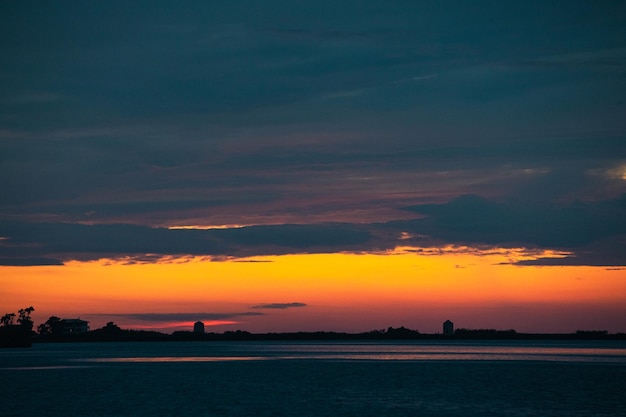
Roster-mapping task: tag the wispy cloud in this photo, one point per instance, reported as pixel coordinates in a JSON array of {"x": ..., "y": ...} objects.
[
  {"x": 31, "y": 98},
  {"x": 279, "y": 306},
  {"x": 589, "y": 231},
  {"x": 177, "y": 317},
  {"x": 27, "y": 261}
]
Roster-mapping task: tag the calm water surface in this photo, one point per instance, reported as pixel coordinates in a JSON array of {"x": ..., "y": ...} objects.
[{"x": 314, "y": 379}]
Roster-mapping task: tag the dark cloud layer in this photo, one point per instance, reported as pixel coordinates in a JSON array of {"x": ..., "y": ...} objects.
[
  {"x": 29, "y": 261},
  {"x": 26, "y": 243},
  {"x": 475, "y": 219},
  {"x": 315, "y": 123},
  {"x": 279, "y": 306},
  {"x": 594, "y": 232}
]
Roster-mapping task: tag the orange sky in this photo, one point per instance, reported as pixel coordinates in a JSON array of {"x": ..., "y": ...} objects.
[
  {"x": 342, "y": 292},
  {"x": 212, "y": 130}
]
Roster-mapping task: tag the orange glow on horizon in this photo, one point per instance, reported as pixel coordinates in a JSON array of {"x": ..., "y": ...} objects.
[
  {"x": 186, "y": 325},
  {"x": 342, "y": 291}
]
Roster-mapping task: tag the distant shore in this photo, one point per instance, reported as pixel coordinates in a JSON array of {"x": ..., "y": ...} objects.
[{"x": 391, "y": 334}]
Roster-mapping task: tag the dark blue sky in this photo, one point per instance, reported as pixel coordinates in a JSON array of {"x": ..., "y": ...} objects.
[{"x": 372, "y": 114}]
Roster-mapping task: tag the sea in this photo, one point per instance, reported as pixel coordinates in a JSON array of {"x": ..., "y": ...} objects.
[{"x": 422, "y": 378}]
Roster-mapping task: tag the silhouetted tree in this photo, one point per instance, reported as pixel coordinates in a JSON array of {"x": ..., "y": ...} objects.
[
  {"x": 485, "y": 334},
  {"x": 400, "y": 333},
  {"x": 17, "y": 335},
  {"x": 52, "y": 326},
  {"x": 592, "y": 334},
  {"x": 7, "y": 319},
  {"x": 111, "y": 328},
  {"x": 42, "y": 329},
  {"x": 24, "y": 319}
]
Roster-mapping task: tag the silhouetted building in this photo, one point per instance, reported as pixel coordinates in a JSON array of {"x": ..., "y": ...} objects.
[
  {"x": 448, "y": 328},
  {"x": 71, "y": 326},
  {"x": 198, "y": 327}
]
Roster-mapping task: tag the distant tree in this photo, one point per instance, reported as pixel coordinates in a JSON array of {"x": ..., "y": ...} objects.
[
  {"x": 400, "y": 333},
  {"x": 24, "y": 319},
  {"x": 111, "y": 328},
  {"x": 52, "y": 326},
  {"x": 7, "y": 319},
  {"x": 17, "y": 335},
  {"x": 592, "y": 334},
  {"x": 43, "y": 330},
  {"x": 485, "y": 334}
]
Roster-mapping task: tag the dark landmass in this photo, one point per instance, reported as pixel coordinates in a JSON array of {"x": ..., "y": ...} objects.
[
  {"x": 109, "y": 333},
  {"x": 15, "y": 336},
  {"x": 399, "y": 334},
  {"x": 19, "y": 333},
  {"x": 115, "y": 334}
]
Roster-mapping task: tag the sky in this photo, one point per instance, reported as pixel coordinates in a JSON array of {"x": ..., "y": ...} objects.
[{"x": 315, "y": 165}]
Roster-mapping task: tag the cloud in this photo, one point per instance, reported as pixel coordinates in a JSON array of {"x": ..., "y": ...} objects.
[
  {"x": 65, "y": 241},
  {"x": 594, "y": 232},
  {"x": 279, "y": 306},
  {"x": 609, "y": 252},
  {"x": 614, "y": 58},
  {"x": 296, "y": 236},
  {"x": 575, "y": 261},
  {"x": 472, "y": 218},
  {"x": 254, "y": 261},
  {"x": 28, "y": 261},
  {"x": 31, "y": 98},
  {"x": 170, "y": 317}
]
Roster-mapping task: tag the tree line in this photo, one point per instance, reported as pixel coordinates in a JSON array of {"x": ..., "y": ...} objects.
[{"x": 17, "y": 332}]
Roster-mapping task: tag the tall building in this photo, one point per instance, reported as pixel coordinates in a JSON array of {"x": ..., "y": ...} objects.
[
  {"x": 198, "y": 327},
  {"x": 448, "y": 328}
]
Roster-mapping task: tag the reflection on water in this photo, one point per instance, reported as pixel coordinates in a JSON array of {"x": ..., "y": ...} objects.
[
  {"x": 175, "y": 359},
  {"x": 434, "y": 352},
  {"x": 340, "y": 351}
]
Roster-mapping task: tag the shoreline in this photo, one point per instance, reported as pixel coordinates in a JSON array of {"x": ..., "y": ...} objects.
[{"x": 242, "y": 336}]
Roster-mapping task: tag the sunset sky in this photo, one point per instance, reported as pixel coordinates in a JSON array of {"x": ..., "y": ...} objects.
[{"x": 315, "y": 165}]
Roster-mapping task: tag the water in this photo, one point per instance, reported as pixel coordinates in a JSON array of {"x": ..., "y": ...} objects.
[{"x": 314, "y": 379}]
